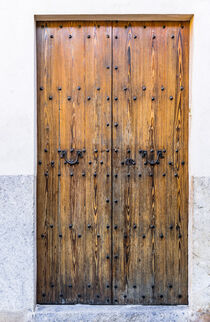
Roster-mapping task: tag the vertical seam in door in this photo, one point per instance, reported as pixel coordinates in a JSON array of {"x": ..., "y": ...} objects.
[{"x": 111, "y": 163}]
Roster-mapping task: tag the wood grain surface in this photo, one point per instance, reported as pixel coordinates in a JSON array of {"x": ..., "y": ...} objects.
[{"x": 113, "y": 227}]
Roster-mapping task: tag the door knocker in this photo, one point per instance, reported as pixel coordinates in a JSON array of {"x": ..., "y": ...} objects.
[
  {"x": 63, "y": 155},
  {"x": 152, "y": 162}
]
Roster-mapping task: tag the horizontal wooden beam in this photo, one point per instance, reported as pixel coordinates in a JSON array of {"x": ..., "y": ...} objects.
[{"x": 121, "y": 17}]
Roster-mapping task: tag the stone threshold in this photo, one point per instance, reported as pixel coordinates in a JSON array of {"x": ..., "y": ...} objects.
[{"x": 118, "y": 313}]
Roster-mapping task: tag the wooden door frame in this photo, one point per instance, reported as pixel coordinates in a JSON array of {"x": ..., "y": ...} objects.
[{"x": 133, "y": 17}]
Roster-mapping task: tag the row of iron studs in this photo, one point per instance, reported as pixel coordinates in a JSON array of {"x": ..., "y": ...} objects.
[{"x": 69, "y": 98}]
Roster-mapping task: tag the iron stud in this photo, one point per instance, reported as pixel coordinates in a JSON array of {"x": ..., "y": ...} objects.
[
  {"x": 107, "y": 67},
  {"x": 79, "y": 235},
  {"x": 89, "y": 226},
  {"x": 95, "y": 174},
  {"x": 89, "y": 98},
  {"x": 143, "y": 236},
  {"x": 98, "y": 236},
  {"x": 116, "y": 201},
  {"x": 164, "y": 26},
  {"x": 52, "y": 285},
  {"x": 107, "y": 286},
  {"x": 116, "y": 37},
  {"x": 107, "y": 226},
  {"x": 116, "y": 150},
  {"x": 70, "y": 36},
  {"x": 83, "y": 174},
  {"x": 40, "y": 162},
  {"x": 161, "y": 296},
  {"x": 134, "y": 98},
  {"x": 122, "y": 162},
  {"x": 176, "y": 175},
  {"x": 51, "y": 226},
  {"x": 116, "y": 98},
  {"x": 116, "y": 67},
  {"x": 107, "y": 200},
  {"x": 50, "y": 98},
  {"x": 116, "y": 256},
  {"x": 107, "y": 124},
  {"x": 59, "y": 88},
  {"x": 95, "y": 150},
  {"x": 107, "y": 256},
  {"x": 51, "y": 36},
  {"x": 162, "y": 88},
  {"x": 182, "y": 88},
  {"x": 182, "y": 162},
  {"x": 134, "y": 286},
  {"x": 180, "y": 236},
  {"x": 125, "y": 236},
  {"x": 59, "y": 174},
  {"x": 70, "y": 285},
  {"x": 116, "y": 175},
  {"x": 164, "y": 174},
  {"x": 52, "y": 163},
  {"x": 153, "y": 37},
  {"x": 115, "y": 286},
  {"x": 144, "y": 88},
  {"x": 134, "y": 226},
  {"x": 139, "y": 175},
  {"x": 115, "y": 227},
  {"x": 43, "y": 294},
  {"x": 107, "y": 175},
  {"x": 172, "y": 36},
  {"x": 128, "y": 175},
  {"x": 125, "y": 89},
  {"x": 143, "y": 296},
  {"x": 170, "y": 163},
  {"x": 42, "y": 235},
  {"x": 70, "y": 226},
  {"x": 171, "y": 98},
  {"x": 71, "y": 174},
  {"x": 145, "y": 27},
  {"x": 116, "y": 124},
  {"x": 152, "y": 226},
  {"x": 170, "y": 285},
  {"x": 180, "y": 296},
  {"x": 101, "y": 162},
  {"x": 89, "y": 286},
  {"x": 107, "y": 36},
  {"x": 46, "y": 174},
  {"x": 135, "y": 37},
  {"x": 60, "y": 235},
  {"x": 88, "y": 36},
  {"x": 79, "y": 88},
  {"x": 153, "y": 98},
  {"x": 161, "y": 235},
  {"x": 69, "y": 98},
  {"x": 107, "y": 150},
  {"x": 98, "y": 88},
  {"x": 107, "y": 98},
  {"x": 41, "y": 88},
  {"x": 90, "y": 162}
]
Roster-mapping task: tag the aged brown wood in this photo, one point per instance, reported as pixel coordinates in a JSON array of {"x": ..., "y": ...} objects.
[{"x": 111, "y": 229}]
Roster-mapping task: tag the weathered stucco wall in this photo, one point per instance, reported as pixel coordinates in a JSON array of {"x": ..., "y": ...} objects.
[{"x": 18, "y": 153}]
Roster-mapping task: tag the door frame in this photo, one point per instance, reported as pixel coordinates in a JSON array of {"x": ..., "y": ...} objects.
[{"x": 128, "y": 17}]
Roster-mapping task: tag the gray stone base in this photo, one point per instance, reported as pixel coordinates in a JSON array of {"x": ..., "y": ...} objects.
[{"x": 87, "y": 313}]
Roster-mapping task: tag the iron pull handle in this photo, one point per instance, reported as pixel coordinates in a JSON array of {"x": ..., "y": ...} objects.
[
  {"x": 63, "y": 154},
  {"x": 129, "y": 161}
]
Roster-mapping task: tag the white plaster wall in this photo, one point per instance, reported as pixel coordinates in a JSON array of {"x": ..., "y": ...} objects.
[{"x": 17, "y": 81}]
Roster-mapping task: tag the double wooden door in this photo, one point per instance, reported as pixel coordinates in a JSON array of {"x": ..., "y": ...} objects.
[{"x": 112, "y": 182}]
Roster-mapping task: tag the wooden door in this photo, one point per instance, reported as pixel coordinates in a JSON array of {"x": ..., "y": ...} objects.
[{"x": 112, "y": 181}]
